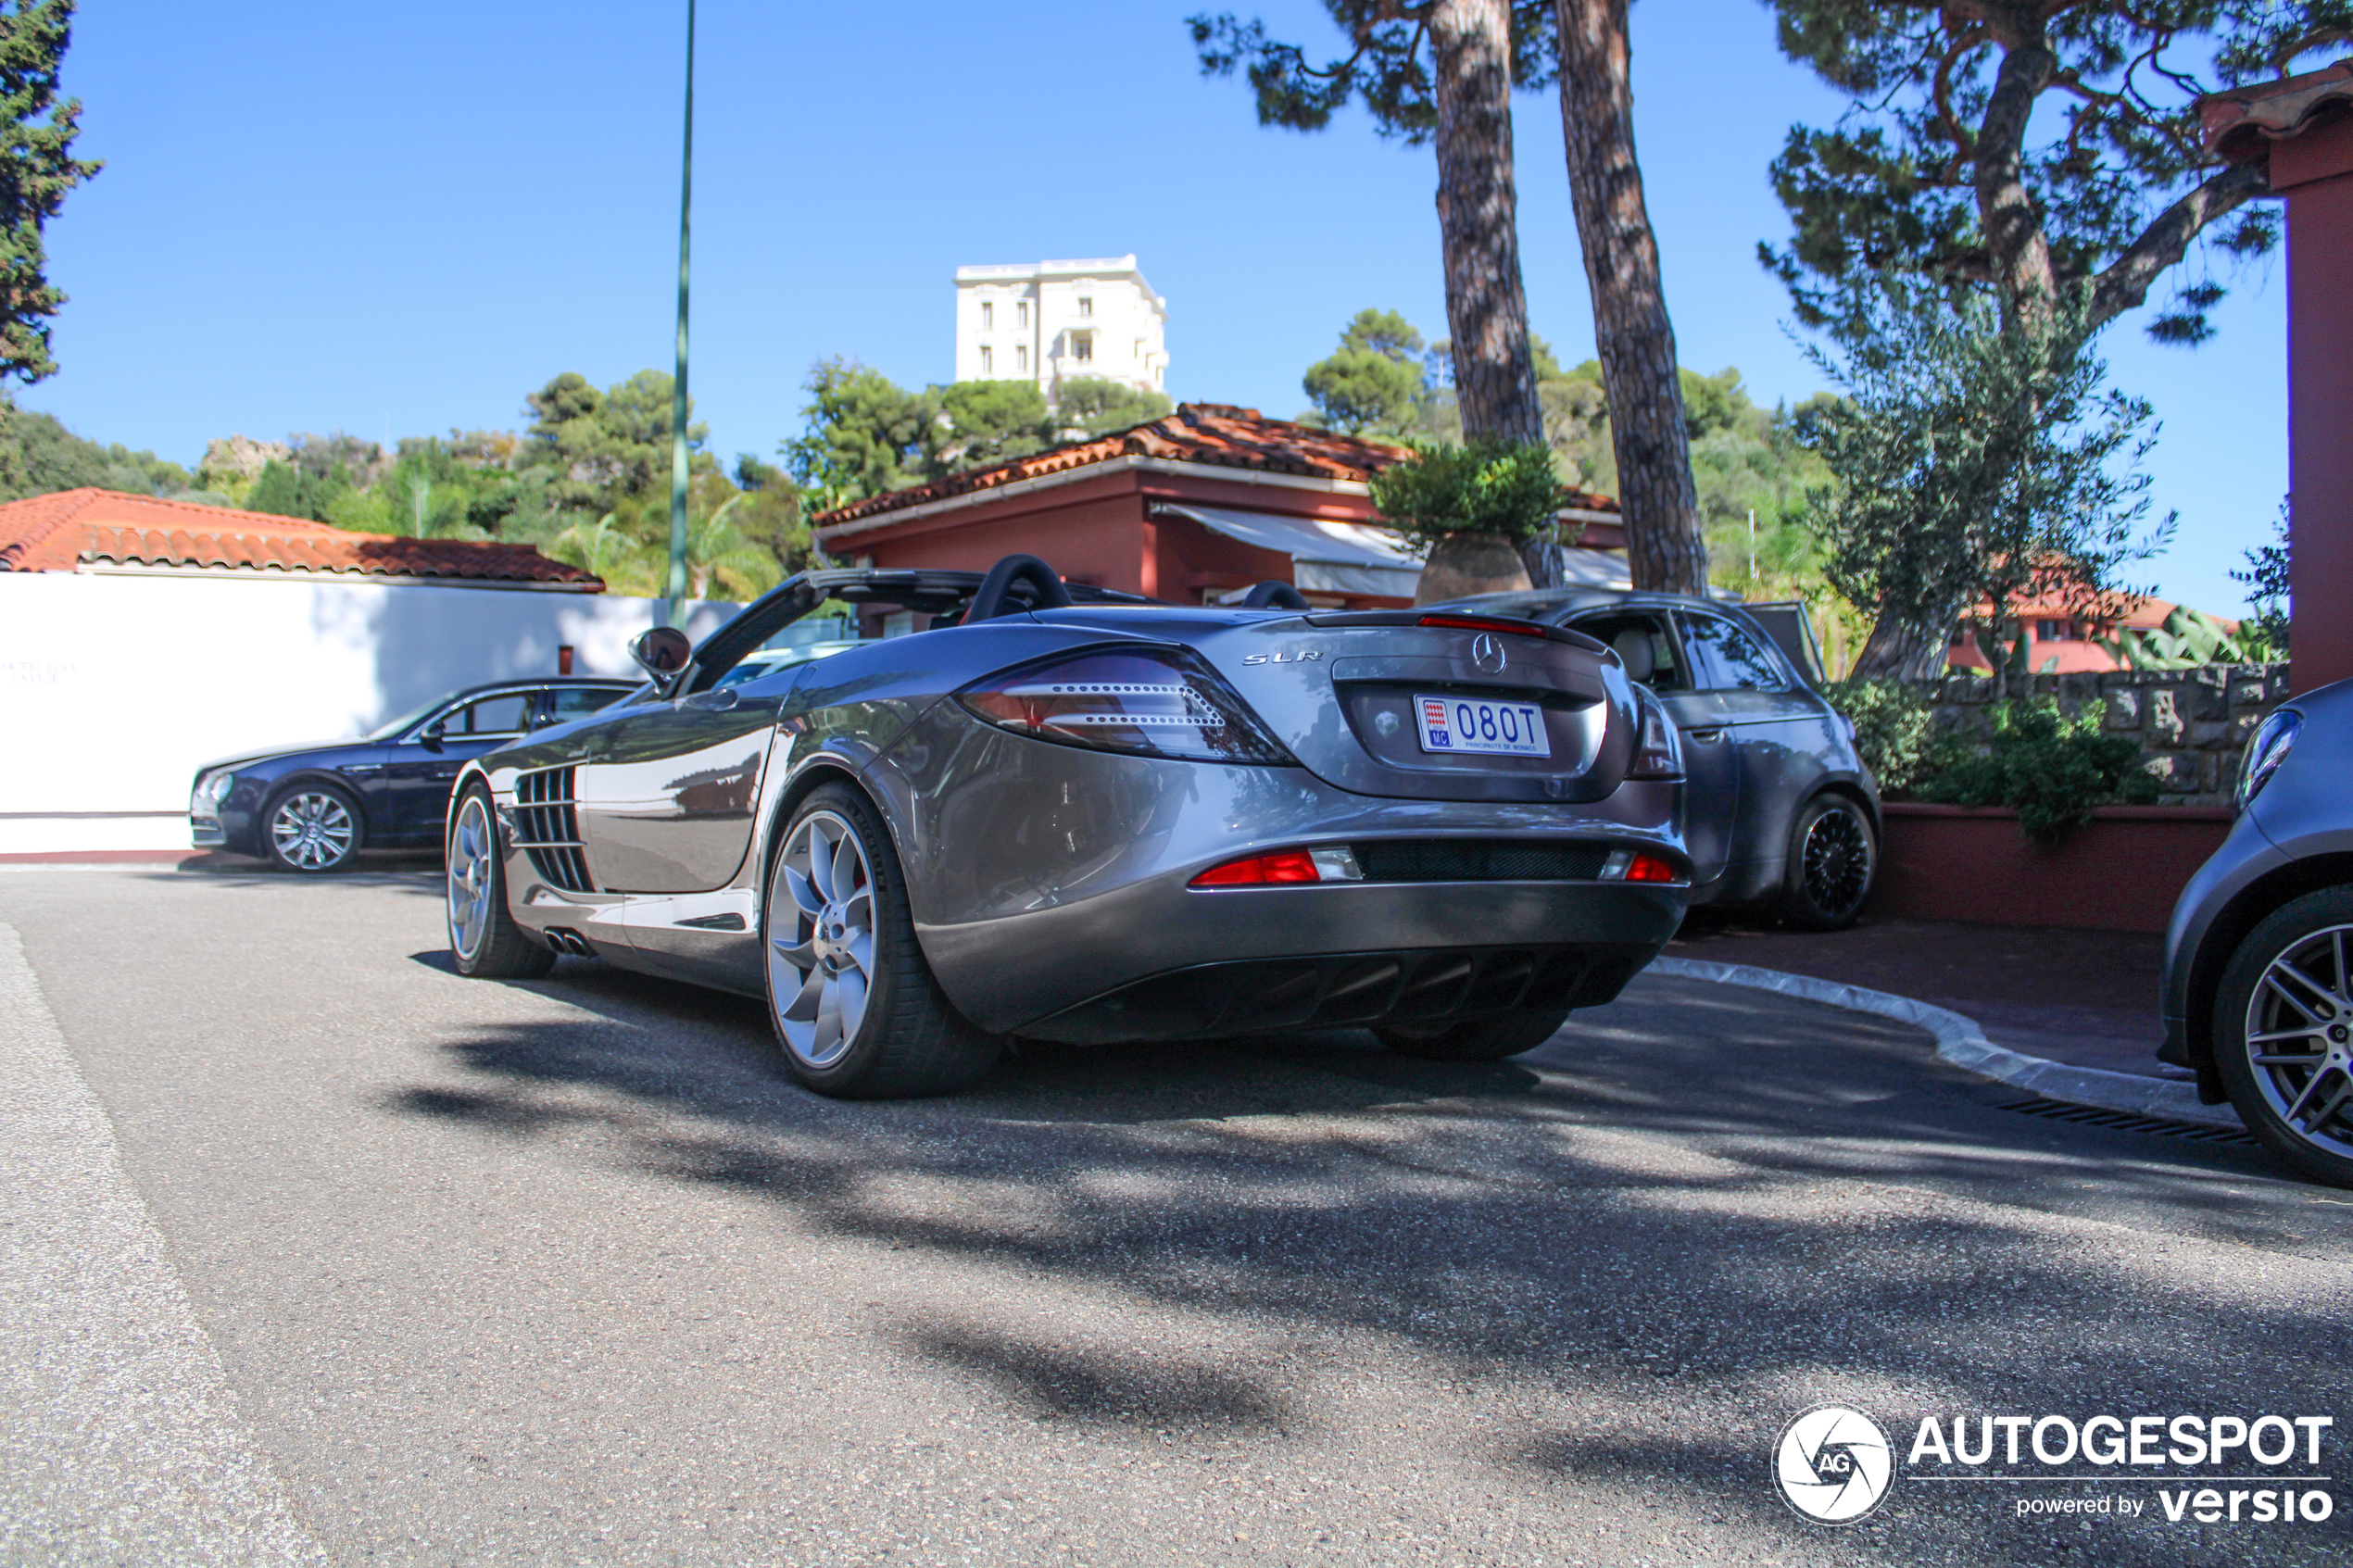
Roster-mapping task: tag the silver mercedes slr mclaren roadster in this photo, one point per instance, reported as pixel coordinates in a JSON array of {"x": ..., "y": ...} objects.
[{"x": 1066, "y": 814}]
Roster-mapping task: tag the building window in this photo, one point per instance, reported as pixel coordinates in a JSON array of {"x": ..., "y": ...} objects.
[
  {"x": 1021, "y": 358},
  {"x": 988, "y": 360},
  {"x": 1086, "y": 305},
  {"x": 1082, "y": 346},
  {"x": 1021, "y": 313},
  {"x": 2055, "y": 631},
  {"x": 987, "y": 318}
]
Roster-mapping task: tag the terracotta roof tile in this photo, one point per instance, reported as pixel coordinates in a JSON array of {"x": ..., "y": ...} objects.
[
  {"x": 1214, "y": 434},
  {"x": 72, "y": 529},
  {"x": 2242, "y": 124}
]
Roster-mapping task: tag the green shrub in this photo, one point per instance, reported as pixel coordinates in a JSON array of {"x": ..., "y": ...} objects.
[
  {"x": 1498, "y": 488},
  {"x": 1891, "y": 721},
  {"x": 2054, "y": 770}
]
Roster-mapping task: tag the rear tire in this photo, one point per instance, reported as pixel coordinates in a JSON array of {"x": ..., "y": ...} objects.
[
  {"x": 2289, "y": 981},
  {"x": 484, "y": 941},
  {"x": 855, "y": 1006},
  {"x": 1479, "y": 1039},
  {"x": 1833, "y": 856}
]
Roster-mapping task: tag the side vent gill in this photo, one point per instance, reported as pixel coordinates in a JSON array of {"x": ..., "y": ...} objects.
[{"x": 551, "y": 829}]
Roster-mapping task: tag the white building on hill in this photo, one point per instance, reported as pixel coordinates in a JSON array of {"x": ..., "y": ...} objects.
[{"x": 1047, "y": 321}]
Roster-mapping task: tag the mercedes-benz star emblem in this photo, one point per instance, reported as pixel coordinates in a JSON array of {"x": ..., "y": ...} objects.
[
  {"x": 1488, "y": 654},
  {"x": 1834, "y": 1465}
]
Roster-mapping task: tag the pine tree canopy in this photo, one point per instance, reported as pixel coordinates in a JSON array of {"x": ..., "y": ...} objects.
[
  {"x": 36, "y": 170},
  {"x": 1388, "y": 65},
  {"x": 2031, "y": 145}
]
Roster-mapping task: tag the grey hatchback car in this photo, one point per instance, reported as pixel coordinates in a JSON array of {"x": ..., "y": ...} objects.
[
  {"x": 2257, "y": 988},
  {"x": 1779, "y": 807}
]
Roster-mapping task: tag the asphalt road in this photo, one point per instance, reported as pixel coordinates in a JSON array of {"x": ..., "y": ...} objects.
[{"x": 312, "y": 1250}]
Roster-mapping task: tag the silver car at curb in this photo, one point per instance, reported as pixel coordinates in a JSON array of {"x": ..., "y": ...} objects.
[{"x": 1066, "y": 814}]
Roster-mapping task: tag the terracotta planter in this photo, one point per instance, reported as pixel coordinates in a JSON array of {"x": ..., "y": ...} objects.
[
  {"x": 1470, "y": 563},
  {"x": 2119, "y": 871}
]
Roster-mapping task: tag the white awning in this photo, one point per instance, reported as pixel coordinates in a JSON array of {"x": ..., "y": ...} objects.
[
  {"x": 1347, "y": 557},
  {"x": 1326, "y": 556}
]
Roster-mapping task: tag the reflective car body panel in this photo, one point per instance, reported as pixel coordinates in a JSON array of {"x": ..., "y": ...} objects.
[
  {"x": 1049, "y": 881},
  {"x": 1760, "y": 740},
  {"x": 399, "y": 780},
  {"x": 2294, "y": 837}
]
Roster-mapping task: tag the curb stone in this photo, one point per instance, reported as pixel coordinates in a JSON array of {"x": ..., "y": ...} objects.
[{"x": 1962, "y": 1042}]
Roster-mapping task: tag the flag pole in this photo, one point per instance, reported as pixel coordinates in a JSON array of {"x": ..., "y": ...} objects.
[{"x": 673, "y": 609}]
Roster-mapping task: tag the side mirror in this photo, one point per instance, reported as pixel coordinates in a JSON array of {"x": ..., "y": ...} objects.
[
  {"x": 661, "y": 652},
  {"x": 430, "y": 736}
]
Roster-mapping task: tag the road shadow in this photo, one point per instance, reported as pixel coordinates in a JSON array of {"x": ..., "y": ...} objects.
[{"x": 1692, "y": 1201}]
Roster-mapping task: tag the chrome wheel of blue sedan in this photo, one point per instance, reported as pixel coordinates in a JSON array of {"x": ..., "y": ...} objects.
[{"x": 313, "y": 829}]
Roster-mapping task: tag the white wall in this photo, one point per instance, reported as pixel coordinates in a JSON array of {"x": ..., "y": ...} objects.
[{"x": 114, "y": 688}]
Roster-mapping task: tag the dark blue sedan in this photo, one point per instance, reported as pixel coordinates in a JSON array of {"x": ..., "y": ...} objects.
[{"x": 312, "y": 808}]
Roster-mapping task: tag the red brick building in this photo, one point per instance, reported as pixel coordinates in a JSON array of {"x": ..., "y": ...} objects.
[
  {"x": 1190, "y": 508},
  {"x": 2300, "y": 131}
]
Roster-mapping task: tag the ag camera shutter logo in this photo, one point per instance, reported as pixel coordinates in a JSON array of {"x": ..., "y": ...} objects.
[{"x": 1833, "y": 1465}]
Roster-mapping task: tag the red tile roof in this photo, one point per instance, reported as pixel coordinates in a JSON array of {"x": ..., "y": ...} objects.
[
  {"x": 2242, "y": 124},
  {"x": 73, "y": 529},
  {"x": 1214, "y": 434}
]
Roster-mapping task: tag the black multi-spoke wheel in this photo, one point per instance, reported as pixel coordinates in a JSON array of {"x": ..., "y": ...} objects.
[
  {"x": 312, "y": 828},
  {"x": 854, "y": 1003},
  {"x": 1832, "y": 854},
  {"x": 2284, "y": 1034}
]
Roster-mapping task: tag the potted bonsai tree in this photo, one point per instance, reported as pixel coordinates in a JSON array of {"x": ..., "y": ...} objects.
[{"x": 1472, "y": 508}]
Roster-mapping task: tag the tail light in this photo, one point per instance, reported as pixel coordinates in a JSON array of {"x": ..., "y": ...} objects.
[
  {"x": 1633, "y": 865},
  {"x": 1659, "y": 753},
  {"x": 1147, "y": 702},
  {"x": 1335, "y": 865}
]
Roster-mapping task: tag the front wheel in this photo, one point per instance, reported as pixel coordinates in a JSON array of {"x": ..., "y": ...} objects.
[
  {"x": 312, "y": 828},
  {"x": 1479, "y": 1039},
  {"x": 854, "y": 1002},
  {"x": 2284, "y": 1034},
  {"x": 1832, "y": 854},
  {"x": 484, "y": 938}
]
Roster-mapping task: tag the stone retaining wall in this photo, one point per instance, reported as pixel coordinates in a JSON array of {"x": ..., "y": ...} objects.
[{"x": 2192, "y": 723}]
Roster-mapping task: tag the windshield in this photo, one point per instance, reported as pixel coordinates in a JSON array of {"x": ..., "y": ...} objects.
[
  {"x": 768, "y": 660},
  {"x": 385, "y": 731}
]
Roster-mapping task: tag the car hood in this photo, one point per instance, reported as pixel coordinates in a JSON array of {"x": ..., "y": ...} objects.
[{"x": 282, "y": 753}]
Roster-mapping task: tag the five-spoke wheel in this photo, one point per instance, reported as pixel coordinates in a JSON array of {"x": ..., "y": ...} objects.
[
  {"x": 820, "y": 937},
  {"x": 484, "y": 941},
  {"x": 313, "y": 828},
  {"x": 851, "y": 995},
  {"x": 2284, "y": 1034}
]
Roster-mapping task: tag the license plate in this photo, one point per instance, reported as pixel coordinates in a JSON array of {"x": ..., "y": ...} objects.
[{"x": 1477, "y": 725}]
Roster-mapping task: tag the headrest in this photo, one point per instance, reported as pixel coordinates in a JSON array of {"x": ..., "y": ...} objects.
[{"x": 1633, "y": 647}]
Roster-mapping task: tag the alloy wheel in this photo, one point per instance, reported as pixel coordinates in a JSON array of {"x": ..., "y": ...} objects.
[
  {"x": 1837, "y": 862},
  {"x": 2299, "y": 1039},
  {"x": 471, "y": 878},
  {"x": 312, "y": 830},
  {"x": 821, "y": 938}
]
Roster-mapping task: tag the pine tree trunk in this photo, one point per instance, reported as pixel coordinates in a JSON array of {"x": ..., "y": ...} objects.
[
  {"x": 1478, "y": 221},
  {"x": 1632, "y": 333},
  {"x": 1477, "y": 224}
]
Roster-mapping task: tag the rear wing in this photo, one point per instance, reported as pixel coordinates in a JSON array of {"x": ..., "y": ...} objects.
[{"x": 1792, "y": 628}]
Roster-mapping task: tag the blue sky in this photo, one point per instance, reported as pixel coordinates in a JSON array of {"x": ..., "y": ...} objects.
[{"x": 402, "y": 220}]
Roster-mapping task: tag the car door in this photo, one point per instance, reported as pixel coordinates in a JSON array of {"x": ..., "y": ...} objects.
[
  {"x": 665, "y": 791},
  {"x": 1711, "y": 793},
  {"x": 416, "y": 783},
  {"x": 1775, "y": 726}
]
